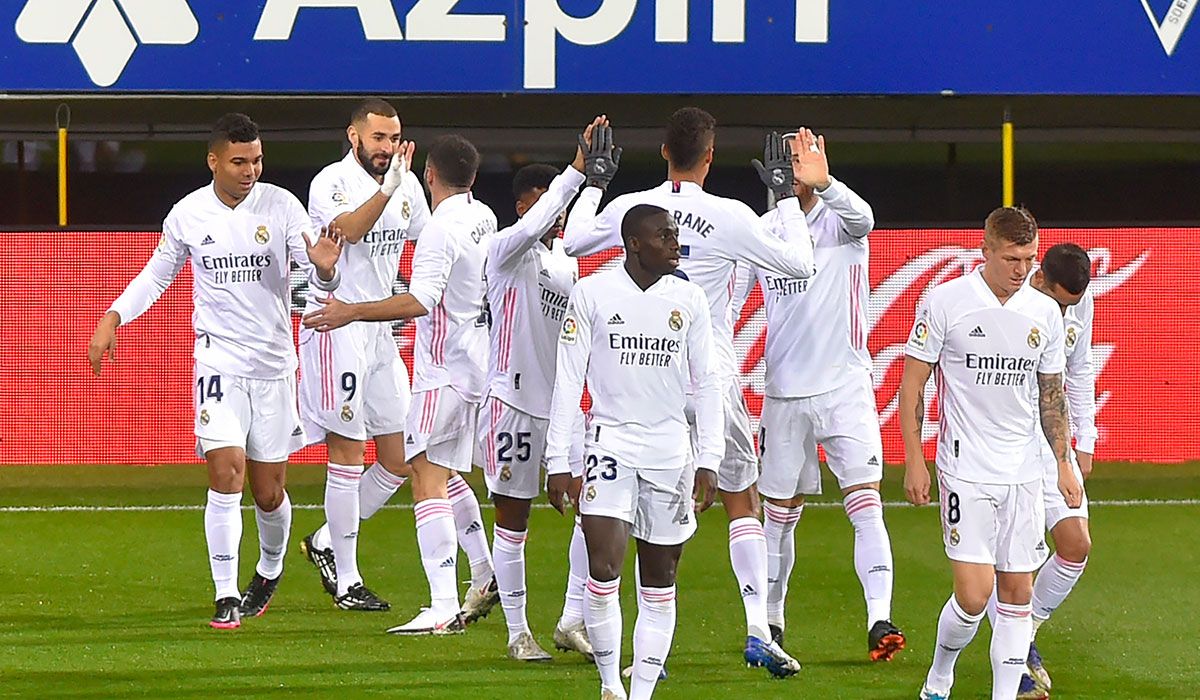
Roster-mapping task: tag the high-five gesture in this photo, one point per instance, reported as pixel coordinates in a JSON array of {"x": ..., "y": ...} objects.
[
  {"x": 401, "y": 163},
  {"x": 324, "y": 253},
  {"x": 814, "y": 166},
  {"x": 585, "y": 142},
  {"x": 775, "y": 169},
  {"x": 600, "y": 157}
]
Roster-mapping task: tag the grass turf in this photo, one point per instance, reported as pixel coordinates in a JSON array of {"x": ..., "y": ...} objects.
[{"x": 115, "y": 603}]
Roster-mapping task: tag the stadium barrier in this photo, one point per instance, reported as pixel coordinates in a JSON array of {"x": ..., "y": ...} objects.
[{"x": 1147, "y": 340}]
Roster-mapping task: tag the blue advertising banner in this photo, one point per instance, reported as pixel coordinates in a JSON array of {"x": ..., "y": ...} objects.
[{"x": 1103, "y": 47}]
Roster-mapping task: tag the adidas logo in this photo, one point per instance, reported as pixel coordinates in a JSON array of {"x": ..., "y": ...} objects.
[
  {"x": 544, "y": 272},
  {"x": 873, "y": 461},
  {"x": 473, "y": 527},
  {"x": 207, "y": 241},
  {"x": 748, "y": 590},
  {"x": 446, "y": 564},
  {"x": 616, "y": 320},
  {"x": 977, "y": 333},
  {"x": 297, "y": 432},
  {"x": 410, "y": 441}
]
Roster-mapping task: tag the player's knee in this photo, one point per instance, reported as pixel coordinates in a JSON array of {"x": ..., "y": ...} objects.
[
  {"x": 1075, "y": 545},
  {"x": 1016, "y": 589},
  {"x": 603, "y": 569},
  {"x": 268, "y": 500},
  {"x": 793, "y": 502},
  {"x": 512, "y": 513},
  {"x": 740, "y": 504}
]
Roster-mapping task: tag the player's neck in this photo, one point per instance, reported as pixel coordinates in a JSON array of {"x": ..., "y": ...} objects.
[
  {"x": 376, "y": 178},
  {"x": 1002, "y": 294},
  {"x": 642, "y": 277},
  {"x": 227, "y": 199},
  {"x": 439, "y": 194},
  {"x": 696, "y": 175}
]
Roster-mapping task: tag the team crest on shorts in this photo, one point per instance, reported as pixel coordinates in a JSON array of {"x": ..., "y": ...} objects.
[
  {"x": 676, "y": 320},
  {"x": 262, "y": 235},
  {"x": 347, "y": 413},
  {"x": 505, "y": 473},
  {"x": 1034, "y": 339},
  {"x": 590, "y": 495},
  {"x": 1071, "y": 337},
  {"x": 954, "y": 538},
  {"x": 204, "y": 416},
  {"x": 406, "y": 210}
]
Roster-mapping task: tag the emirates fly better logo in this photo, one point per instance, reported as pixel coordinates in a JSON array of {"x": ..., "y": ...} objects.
[{"x": 104, "y": 33}]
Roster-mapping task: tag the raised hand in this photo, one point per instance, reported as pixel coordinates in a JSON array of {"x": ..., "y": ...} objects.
[
  {"x": 600, "y": 157},
  {"x": 585, "y": 141},
  {"x": 401, "y": 163},
  {"x": 814, "y": 165},
  {"x": 325, "y": 252},
  {"x": 775, "y": 169}
]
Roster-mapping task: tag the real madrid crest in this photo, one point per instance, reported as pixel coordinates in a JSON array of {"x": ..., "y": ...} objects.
[
  {"x": 406, "y": 210},
  {"x": 590, "y": 495},
  {"x": 1071, "y": 337},
  {"x": 262, "y": 235},
  {"x": 505, "y": 473},
  {"x": 204, "y": 416},
  {"x": 347, "y": 413},
  {"x": 1034, "y": 339},
  {"x": 676, "y": 320},
  {"x": 954, "y": 538}
]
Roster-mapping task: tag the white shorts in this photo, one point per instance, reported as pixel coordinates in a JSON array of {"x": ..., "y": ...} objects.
[
  {"x": 656, "y": 502},
  {"x": 997, "y": 524},
  {"x": 353, "y": 383},
  {"x": 257, "y": 415},
  {"x": 739, "y": 467},
  {"x": 843, "y": 421},
  {"x": 441, "y": 423},
  {"x": 512, "y": 447},
  {"x": 1056, "y": 506}
]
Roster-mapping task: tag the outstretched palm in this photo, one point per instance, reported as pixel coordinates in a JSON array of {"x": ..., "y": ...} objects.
[
  {"x": 814, "y": 166},
  {"x": 325, "y": 252}
]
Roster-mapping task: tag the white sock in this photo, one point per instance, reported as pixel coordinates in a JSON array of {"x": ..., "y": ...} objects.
[
  {"x": 375, "y": 488},
  {"x": 1052, "y": 586},
  {"x": 748, "y": 555},
  {"x": 602, "y": 614},
  {"x": 1010, "y": 647},
  {"x": 274, "y": 528},
  {"x": 471, "y": 536},
  {"x": 439, "y": 553},
  {"x": 577, "y": 576},
  {"x": 779, "y": 527},
  {"x": 509, "y": 557},
  {"x": 341, "y": 520},
  {"x": 223, "y": 531},
  {"x": 872, "y": 552},
  {"x": 955, "y": 631},
  {"x": 652, "y": 634}
]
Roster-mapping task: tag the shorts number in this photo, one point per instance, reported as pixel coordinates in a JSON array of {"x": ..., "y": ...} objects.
[
  {"x": 953, "y": 512},
  {"x": 608, "y": 473},
  {"x": 349, "y": 385},
  {"x": 213, "y": 391},
  {"x": 524, "y": 447}
]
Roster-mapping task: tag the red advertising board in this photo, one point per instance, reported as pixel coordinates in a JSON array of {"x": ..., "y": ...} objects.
[{"x": 1147, "y": 336}]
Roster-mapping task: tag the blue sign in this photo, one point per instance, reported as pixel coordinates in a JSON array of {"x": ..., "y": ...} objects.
[{"x": 600, "y": 46}]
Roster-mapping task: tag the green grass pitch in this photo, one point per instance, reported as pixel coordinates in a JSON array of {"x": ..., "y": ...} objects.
[{"x": 115, "y": 603}]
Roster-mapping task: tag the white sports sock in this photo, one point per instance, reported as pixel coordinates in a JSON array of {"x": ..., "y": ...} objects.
[
  {"x": 375, "y": 488},
  {"x": 273, "y": 531},
  {"x": 341, "y": 518},
  {"x": 321, "y": 539},
  {"x": 1010, "y": 647},
  {"x": 1052, "y": 586},
  {"x": 577, "y": 576},
  {"x": 509, "y": 557},
  {"x": 602, "y": 615},
  {"x": 955, "y": 631},
  {"x": 471, "y": 536},
  {"x": 439, "y": 553},
  {"x": 748, "y": 555},
  {"x": 652, "y": 634},
  {"x": 872, "y": 552},
  {"x": 779, "y": 527},
  {"x": 223, "y": 531}
]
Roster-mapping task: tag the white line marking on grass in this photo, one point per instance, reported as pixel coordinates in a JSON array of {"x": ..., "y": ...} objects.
[{"x": 542, "y": 506}]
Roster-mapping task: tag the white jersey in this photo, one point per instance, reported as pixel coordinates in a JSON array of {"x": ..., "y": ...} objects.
[
  {"x": 641, "y": 352},
  {"x": 817, "y": 327},
  {"x": 369, "y": 266},
  {"x": 988, "y": 357},
  {"x": 1080, "y": 375},
  {"x": 240, "y": 266},
  {"x": 715, "y": 235},
  {"x": 528, "y": 286},
  {"x": 447, "y": 278}
]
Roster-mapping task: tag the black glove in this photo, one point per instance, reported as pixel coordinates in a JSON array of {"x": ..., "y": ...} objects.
[
  {"x": 600, "y": 160},
  {"x": 777, "y": 173}
]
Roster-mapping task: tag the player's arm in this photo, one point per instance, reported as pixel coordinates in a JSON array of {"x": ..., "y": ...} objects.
[
  {"x": 856, "y": 216},
  {"x": 789, "y": 254},
  {"x": 1081, "y": 393},
  {"x": 921, "y": 354},
  {"x": 710, "y": 417},
  {"x": 574, "y": 351},
  {"x": 141, "y": 293},
  {"x": 356, "y": 224},
  {"x": 586, "y": 232},
  {"x": 1052, "y": 405}
]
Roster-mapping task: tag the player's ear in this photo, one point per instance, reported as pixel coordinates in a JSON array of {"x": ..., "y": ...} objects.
[
  {"x": 352, "y": 136},
  {"x": 666, "y": 155},
  {"x": 212, "y": 161},
  {"x": 521, "y": 208}
]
